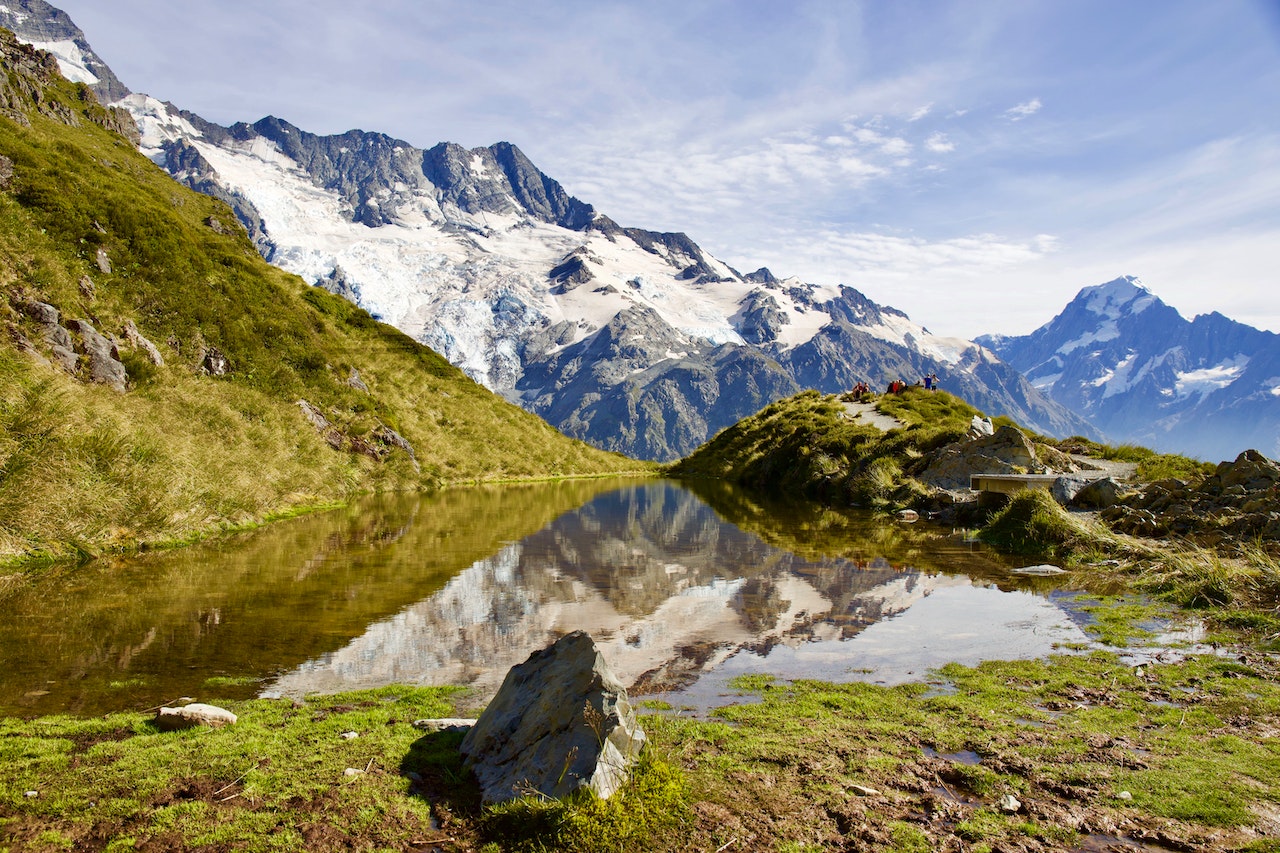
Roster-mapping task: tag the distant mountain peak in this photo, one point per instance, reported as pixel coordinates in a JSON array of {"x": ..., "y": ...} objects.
[
  {"x": 1142, "y": 373},
  {"x": 1119, "y": 297}
]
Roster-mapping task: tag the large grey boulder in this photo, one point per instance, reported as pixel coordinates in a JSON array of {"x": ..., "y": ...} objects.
[
  {"x": 1008, "y": 451},
  {"x": 1099, "y": 494},
  {"x": 561, "y": 721}
]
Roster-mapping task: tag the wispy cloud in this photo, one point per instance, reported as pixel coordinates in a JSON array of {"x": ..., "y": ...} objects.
[
  {"x": 920, "y": 113},
  {"x": 1021, "y": 111},
  {"x": 938, "y": 143}
]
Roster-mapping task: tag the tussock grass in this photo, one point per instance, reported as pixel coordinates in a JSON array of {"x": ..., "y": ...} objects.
[
  {"x": 1152, "y": 466},
  {"x": 1033, "y": 523}
]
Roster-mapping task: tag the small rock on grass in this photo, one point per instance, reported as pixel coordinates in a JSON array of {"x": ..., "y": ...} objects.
[
  {"x": 1009, "y": 804},
  {"x": 350, "y": 735},
  {"x": 190, "y": 716},
  {"x": 444, "y": 724}
]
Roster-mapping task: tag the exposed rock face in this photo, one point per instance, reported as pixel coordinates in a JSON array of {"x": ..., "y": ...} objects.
[
  {"x": 1240, "y": 501},
  {"x": 136, "y": 340},
  {"x": 49, "y": 27},
  {"x": 388, "y": 437},
  {"x": 102, "y": 355},
  {"x": 214, "y": 363},
  {"x": 1007, "y": 452},
  {"x": 560, "y": 722}
]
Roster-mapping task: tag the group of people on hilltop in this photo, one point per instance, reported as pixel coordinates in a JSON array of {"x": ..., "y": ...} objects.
[{"x": 897, "y": 386}]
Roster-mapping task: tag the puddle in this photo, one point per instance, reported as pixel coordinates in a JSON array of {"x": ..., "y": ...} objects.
[{"x": 966, "y": 757}]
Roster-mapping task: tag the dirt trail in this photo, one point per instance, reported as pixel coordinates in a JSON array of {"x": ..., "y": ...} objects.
[{"x": 866, "y": 413}]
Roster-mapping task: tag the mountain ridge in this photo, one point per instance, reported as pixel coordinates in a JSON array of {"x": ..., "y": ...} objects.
[
  {"x": 483, "y": 257},
  {"x": 1142, "y": 373}
]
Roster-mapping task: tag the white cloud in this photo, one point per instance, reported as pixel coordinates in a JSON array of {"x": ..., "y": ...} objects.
[
  {"x": 920, "y": 113},
  {"x": 1021, "y": 111},
  {"x": 938, "y": 143}
]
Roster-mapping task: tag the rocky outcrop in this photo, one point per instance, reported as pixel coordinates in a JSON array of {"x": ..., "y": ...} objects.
[
  {"x": 1008, "y": 451},
  {"x": 560, "y": 722},
  {"x": 1239, "y": 502},
  {"x": 136, "y": 340},
  {"x": 102, "y": 357}
]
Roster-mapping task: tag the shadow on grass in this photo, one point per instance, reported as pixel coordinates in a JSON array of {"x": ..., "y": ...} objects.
[{"x": 434, "y": 767}]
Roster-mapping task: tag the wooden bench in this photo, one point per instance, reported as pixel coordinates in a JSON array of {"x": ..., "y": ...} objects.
[{"x": 995, "y": 489}]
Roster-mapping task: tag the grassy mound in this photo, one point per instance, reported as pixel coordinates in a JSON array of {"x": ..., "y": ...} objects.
[
  {"x": 92, "y": 228},
  {"x": 1033, "y": 523},
  {"x": 809, "y": 444}
]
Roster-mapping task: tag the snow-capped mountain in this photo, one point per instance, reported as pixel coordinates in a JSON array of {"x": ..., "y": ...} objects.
[
  {"x": 1140, "y": 372},
  {"x": 633, "y": 340}
]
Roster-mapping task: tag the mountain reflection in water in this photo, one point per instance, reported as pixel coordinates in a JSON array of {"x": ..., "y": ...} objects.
[
  {"x": 683, "y": 587},
  {"x": 679, "y": 599}
]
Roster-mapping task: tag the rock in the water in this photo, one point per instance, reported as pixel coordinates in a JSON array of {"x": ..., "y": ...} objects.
[
  {"x": 190, "y": 716},
  {"x": 561, "y": 721},
  {"x": 105, "y": 366},
  {"x": 1042, "y": 571}
]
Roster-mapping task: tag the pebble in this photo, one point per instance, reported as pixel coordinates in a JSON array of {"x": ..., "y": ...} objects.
[
  {"x": 352, "y": 771},
  {"x": 350, "y": 735},
  {"x": 31, "y": 794},
  {"x": 1009, "y": 804},
  {"x": 1124, "y": 795}
]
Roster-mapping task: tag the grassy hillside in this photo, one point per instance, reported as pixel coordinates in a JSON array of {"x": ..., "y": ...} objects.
[{"x": 93, "y": 229}]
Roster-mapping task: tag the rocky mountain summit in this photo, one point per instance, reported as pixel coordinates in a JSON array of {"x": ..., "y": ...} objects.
[
  {"x": 631, "y": 339},
  {"x": 1141, "y": 373}
]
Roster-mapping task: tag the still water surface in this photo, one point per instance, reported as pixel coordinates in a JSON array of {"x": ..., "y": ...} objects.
[{"x": 683, "y": 587}]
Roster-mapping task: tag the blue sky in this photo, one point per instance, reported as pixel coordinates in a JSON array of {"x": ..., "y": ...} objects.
[{"x": 972, "y": 163}]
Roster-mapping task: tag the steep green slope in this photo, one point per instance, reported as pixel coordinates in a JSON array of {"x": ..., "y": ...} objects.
[{"x": 94, "y": 231}]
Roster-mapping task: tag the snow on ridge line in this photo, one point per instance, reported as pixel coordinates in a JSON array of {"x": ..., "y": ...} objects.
[
  {"x": 71, "y": 60},
  {"x": 1109, "y": 300}
]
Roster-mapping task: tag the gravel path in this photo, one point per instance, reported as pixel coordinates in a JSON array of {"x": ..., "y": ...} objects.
[{"x": 866, "y": 413}]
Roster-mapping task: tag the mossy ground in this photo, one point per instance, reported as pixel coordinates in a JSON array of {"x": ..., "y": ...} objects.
[{"x": 1182, "y": 754}]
